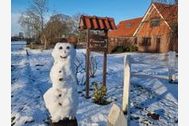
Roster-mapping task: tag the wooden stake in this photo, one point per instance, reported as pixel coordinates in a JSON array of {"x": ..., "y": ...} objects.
[
  {"x": 126, "y": 87},
  {"x": 105, "y": 59},
  {"x": 87, "y": 64},
  {"x": 104, "y": 68}
]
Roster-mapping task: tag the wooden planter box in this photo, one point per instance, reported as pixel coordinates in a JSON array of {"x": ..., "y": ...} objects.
[{"x": 65, "y": 122}]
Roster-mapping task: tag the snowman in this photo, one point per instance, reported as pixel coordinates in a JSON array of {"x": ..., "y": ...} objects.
[{"x": 61, "y": 99}]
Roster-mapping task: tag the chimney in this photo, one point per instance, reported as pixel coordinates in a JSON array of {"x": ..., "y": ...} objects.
[{"x": 176, "y": 1}]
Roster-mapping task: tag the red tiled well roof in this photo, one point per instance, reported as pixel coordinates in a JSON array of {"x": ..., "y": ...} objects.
[{"x": 96, "y": 23}]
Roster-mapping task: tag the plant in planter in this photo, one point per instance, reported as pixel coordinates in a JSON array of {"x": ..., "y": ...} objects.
[{"x": 99, "y": 96}]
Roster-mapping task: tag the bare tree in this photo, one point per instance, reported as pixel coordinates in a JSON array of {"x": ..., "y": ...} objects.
[
  {"x": 79, "y": 68},
  {"x": 81, "y": 34},
  {"x": 33, "y": 19},
  {"x": 93, "y": 65},
  {"x": 58, "y": 26},
  {"x": 76, "y": 19}
]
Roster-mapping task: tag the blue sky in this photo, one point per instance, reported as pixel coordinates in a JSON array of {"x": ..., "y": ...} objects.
[{"x": 118, "y": 9}]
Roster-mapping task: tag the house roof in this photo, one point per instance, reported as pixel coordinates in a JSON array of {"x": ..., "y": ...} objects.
[
  {"x": 125, "y": 28},
  {"x": 168, "y": 12},
  {"x": 96, "y": 23}
]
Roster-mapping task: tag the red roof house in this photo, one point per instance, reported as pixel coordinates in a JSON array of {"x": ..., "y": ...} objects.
[
  {"x": 125, "y": 28},
  {"x": 155, "y": 31}
]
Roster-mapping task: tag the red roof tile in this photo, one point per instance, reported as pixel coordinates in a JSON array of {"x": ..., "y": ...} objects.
[
  {"x": 125, "y": 28},
  {"x": 96, "y": 23},
  {"x": 169, "y": 12}
]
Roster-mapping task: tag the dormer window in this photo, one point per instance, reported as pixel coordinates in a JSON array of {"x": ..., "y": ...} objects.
[
  {"x": 128, "y": 25},
  {"x": 155, "y": 22}
]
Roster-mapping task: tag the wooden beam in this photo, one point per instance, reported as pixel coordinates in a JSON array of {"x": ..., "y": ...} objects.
[
  {"x": 105, "y": 59},
  {"x": 97, "y": 49},
  {"x": 87, "y": 64},
  {"x": 126, "y": 87}
]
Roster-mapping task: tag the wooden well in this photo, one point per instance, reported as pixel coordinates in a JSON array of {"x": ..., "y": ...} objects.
[{"x": 98, "y": 42}]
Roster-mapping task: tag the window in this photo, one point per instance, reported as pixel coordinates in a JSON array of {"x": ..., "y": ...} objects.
[
  {"x": 155, "y": 22},
  {"x": 135, "y": 41},
  {"x": 128, "y": 25},
  {"x": 146, "y": 42}
]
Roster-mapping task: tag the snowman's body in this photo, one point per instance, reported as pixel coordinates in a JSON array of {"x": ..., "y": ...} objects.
[{"x": 61, "y": 99}]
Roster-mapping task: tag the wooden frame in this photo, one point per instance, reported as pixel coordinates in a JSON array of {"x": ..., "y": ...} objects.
[
  {"x": 97, "y": 44},
  {"x": 97, "y": 47}
]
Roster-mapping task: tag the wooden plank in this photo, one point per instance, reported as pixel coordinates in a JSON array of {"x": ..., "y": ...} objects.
[
  {"x": 87, "y": 64},
  {"x": 97, "y": 49},
  {"x": 103, "y": 45},
  {"x": 105, "y": 60},
  {"x": 98, "y": 42},
  {"x": 116, "y": 117},
  {"x": 126, "y": 86},
  {"x": 104, "y": 68}
]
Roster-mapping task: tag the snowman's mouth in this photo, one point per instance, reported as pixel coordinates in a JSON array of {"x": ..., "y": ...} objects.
[{"x": 63, "y": 57}]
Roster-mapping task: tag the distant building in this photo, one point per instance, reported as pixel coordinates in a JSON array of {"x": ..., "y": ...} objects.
[
  {"x": 21, "y": 35},
  {"x": 157, "y": 31},
  {"x": 123, "y": 35}
]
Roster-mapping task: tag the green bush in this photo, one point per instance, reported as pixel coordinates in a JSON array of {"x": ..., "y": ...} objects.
[
  {"x": 99, "y": 96},
  {"x": 119, "y": 49},
  {"x": 129, "y": 48}
]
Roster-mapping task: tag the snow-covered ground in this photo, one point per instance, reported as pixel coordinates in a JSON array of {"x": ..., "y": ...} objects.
[{"x": 150, "y": 89}]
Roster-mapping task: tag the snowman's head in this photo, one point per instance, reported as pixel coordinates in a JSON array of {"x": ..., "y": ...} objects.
[{"x": 63, "y": 52}]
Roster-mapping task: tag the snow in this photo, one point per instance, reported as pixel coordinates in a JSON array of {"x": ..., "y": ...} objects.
[{"x": 150, "y": 89}]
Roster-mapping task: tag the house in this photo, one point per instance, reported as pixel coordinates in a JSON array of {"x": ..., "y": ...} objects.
[
  {"x": 158, "y": 30},
  {"x": 123, "y": 35}
]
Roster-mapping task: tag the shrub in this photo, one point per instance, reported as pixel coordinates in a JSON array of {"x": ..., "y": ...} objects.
[
  {"x": 119, "y": 49},
  {"x": 99, "y": 96},
  {"x": 129, "y": 48}
]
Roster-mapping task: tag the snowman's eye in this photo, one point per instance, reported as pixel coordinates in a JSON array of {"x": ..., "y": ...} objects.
[
  {"x": 60, "y": 47},
  {"x": 67, "y": 47}
]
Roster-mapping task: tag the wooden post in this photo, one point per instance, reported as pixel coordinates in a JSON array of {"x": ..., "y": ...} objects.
[
  {"x": 105, "y": 59},
  {"x": 172, "y": 66},
  {"x": 116, "y": 117},
  {"x": 126, "y": 87},
  {"x": 87, "y": 64}
]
